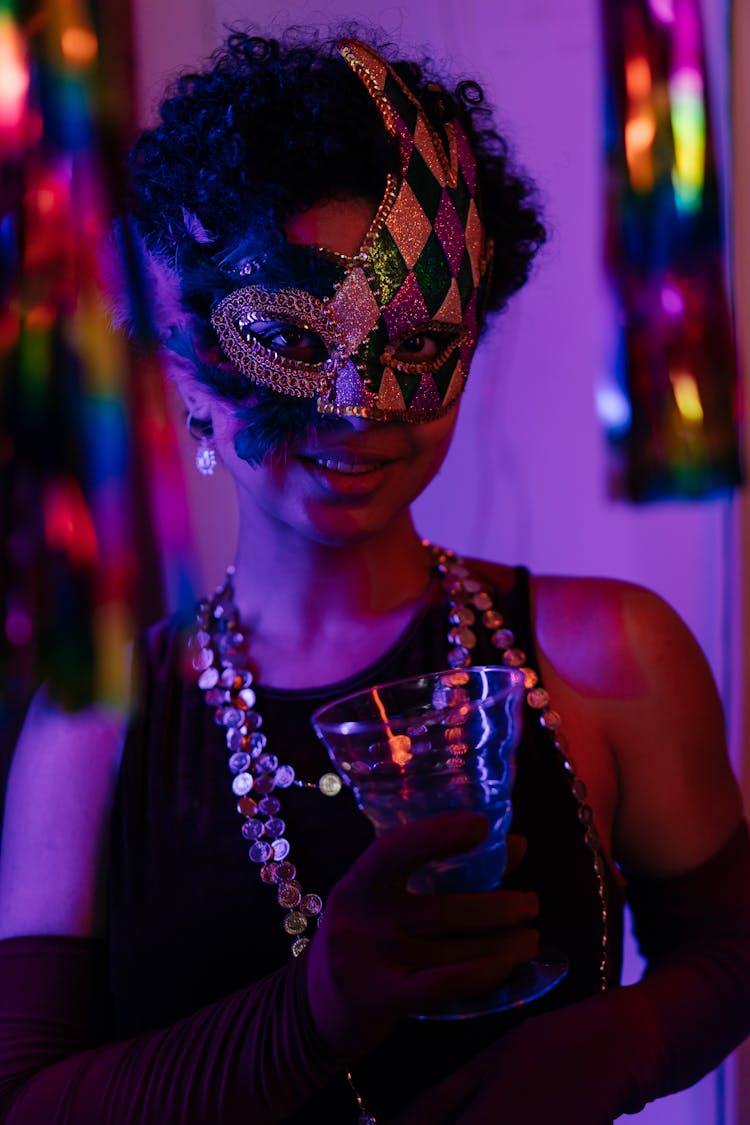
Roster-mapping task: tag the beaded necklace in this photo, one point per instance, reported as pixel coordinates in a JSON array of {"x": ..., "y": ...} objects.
[{"x": 219, "y": 655}]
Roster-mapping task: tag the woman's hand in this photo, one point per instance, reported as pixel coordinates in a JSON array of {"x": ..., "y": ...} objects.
[{"x": 383, "y": 952}]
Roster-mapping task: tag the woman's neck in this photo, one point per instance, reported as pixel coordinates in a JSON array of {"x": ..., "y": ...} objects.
[{"x": 318, "y": 613}]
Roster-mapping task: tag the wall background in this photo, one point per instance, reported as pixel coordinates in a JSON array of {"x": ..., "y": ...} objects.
[{"x": 524, "y": 481}]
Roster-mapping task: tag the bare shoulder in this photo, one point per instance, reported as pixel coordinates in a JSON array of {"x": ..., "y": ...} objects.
[
  {"x": 610, "y": 636},
  {"x": 597, "y": 631},
  {"x": 55, "y": 821},
  {"x": 625, "y": 656}
]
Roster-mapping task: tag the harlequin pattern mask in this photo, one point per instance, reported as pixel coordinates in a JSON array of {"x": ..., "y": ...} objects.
[{"x": 420, "y": 272}]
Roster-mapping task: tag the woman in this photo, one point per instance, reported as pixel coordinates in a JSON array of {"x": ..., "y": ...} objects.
[{"x": 326, "y": 233}]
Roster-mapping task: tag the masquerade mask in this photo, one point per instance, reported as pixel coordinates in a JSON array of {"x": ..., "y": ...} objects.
[{"x": 394, "y": 336}]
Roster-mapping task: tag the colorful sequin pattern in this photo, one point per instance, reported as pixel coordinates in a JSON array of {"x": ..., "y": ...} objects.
[{"x": 419, "y": 273}]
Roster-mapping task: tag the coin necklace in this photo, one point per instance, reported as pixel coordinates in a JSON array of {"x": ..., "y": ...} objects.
[{"x": 218, "y": 646}]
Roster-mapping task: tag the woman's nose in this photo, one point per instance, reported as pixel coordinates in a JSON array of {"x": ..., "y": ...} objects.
[
  {"x": 360, "y": 424},
  {"x": 342, "y": 423}
]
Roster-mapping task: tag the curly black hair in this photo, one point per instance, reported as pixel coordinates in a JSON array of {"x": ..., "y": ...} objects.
[
  {"x": 270, "y": 128},
  {"x": 273, "y": 126}
]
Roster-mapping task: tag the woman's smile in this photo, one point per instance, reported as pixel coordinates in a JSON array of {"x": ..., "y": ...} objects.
[{"x": 348, "y": 471}]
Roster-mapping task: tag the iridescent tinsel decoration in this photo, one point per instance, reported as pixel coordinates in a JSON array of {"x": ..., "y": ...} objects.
[
  {"x": 76, "y": 515},
  {"x": 672, "y": 409}
]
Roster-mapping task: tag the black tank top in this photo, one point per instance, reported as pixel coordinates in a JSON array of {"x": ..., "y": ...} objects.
[{"x": 189, "y": 919}]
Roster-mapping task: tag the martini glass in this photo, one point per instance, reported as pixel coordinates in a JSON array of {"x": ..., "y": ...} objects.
[{"x": 427, "y": 745}]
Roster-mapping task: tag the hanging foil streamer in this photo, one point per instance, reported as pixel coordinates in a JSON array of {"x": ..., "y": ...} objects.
[
  {"x": 80, "y": 566},
  {"x": 671, "y": 411}
]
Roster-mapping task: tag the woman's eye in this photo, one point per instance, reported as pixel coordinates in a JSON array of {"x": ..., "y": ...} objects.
[
  {"x": 289, "y": 340},
  {"x": 422, "y": 346}
]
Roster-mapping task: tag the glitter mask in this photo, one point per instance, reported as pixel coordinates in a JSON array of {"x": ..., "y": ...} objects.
[{"x": 421, "y": 269}]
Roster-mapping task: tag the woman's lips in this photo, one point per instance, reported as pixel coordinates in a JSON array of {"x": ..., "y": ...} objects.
[
  {"x": 345, "y": 466},
  {"x": 346, "y": 473}
]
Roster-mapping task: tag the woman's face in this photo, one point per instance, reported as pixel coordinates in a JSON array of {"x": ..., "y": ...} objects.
[{"x": 351, "y": 477}]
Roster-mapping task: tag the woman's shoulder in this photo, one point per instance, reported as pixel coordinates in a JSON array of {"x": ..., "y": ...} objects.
[
  {"x": 611, "y": 633},
  {"x": 624, "y": 663},
  {"x": 575, "y": 589},
  {"x": 577, "y": 594},
  {"x": 57, "y": 803},
  {"x": 604, "y": 636},
  {"x": 501, "y": 576}
]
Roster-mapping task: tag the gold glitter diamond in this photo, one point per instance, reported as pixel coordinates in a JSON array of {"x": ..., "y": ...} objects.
[
  {"x": 442, "y": 164},
  {"x": 474, "y": 240},
  {"x": 409, "y": 226},
  {"x": 456, "y": 385},
  {"x": 390, "y": 396},
  {"x": 450, "y": 310},
  {"x": 354, "y": 310}
]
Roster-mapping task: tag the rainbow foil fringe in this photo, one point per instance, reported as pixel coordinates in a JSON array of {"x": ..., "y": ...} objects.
[
  {"x": 671, "y": 403},
  {"x": 83, "y": 425}
]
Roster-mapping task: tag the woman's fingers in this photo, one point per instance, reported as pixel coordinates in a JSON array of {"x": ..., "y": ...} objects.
[
  {"x": 505, "y": 951},
  {"x": 393, "y": 856},
  {"x": 494, "y": 962},
  {"x": 382, "y": 951},
  {"x": 516, "y": 846},
  {"x": 473, "y": 913}
]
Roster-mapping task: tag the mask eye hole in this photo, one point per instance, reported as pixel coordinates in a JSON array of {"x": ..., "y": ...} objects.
[
  {"x": 285, "y": 339},
  {"x": 429, "y": 346}
]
